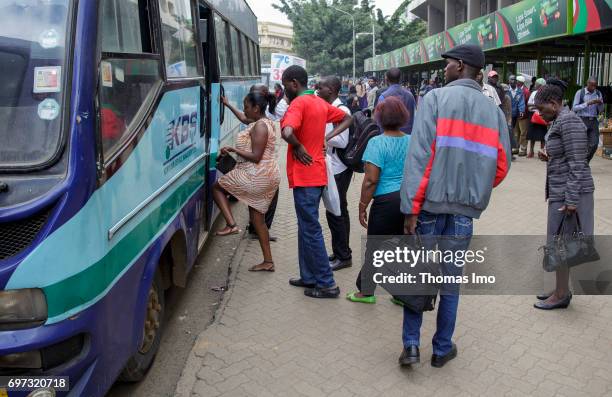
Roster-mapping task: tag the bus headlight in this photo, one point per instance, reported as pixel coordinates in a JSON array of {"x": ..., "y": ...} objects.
[{"x": 22, "y": 308}]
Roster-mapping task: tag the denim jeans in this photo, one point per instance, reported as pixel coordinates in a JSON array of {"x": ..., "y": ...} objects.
[
  {"x": 314, "y": 263},
  {"x": 448, "y": 232}
]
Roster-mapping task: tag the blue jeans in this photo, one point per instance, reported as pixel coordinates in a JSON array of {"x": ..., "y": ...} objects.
[
  {"x": 314, "y": 263},
  {"x": 457, "y": 230}
]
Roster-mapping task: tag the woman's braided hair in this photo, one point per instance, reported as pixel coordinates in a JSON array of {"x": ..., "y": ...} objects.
[{"x": 548, "y": 93}]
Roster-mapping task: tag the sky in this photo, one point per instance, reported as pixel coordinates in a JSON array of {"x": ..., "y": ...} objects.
[{"x": 265, "y": 12}]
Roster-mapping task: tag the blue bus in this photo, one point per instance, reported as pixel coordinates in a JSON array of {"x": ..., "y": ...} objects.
[{"x": 110, "y": 122}]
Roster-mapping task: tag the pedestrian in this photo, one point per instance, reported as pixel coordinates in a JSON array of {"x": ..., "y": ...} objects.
[
  {"x": 255, "y": 178},
  {"x": 487, "y": 89},
  {"x": 519, "y": 121},
  {"x": 393, "y": 77},
  {"x": 569, "y": 183},
  {"x": 352, "y": 101},
  {"x": 373, "y": 93},
  {"x": 426, "y": 86},
  {"x": 537, "y": 125},
  {"x": 588, "y": 104},
  {"x": 384, "y": 167},
  {"x": 274, "y": 112},
  {"x": 459, "y": 151},
  {"x": 279, "y": 93},
  {"x": 339, "y": 226},
  {"x": 503, "y": 92},
  {"x": 362, "y": 94},
  {"x": 303, "y": 128}
]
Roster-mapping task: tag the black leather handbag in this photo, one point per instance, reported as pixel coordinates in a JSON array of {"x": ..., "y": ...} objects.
[
  {"x": 418, "y": 298},
  {"x": 225, "y": 163},
  {"x": 569, "y": 247}
]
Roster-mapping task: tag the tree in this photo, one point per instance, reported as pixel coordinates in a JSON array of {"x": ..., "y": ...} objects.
[{"x": 323, "y": 36}]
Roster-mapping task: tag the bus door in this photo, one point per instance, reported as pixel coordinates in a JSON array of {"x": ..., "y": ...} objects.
[{"x": 206, "y": 36}]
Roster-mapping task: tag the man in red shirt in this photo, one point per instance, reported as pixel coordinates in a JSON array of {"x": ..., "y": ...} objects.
[{"x": 303, "y": 128}]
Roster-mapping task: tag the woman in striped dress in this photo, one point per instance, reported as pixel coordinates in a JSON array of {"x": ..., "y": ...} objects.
[{"x": 256, "y": 176}]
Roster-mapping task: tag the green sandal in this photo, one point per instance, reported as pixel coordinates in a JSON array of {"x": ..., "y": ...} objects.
[{"x": 365, "y": 299}]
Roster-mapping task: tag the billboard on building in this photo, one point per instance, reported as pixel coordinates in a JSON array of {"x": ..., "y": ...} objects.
[
  {"x": 280, "y": 62},
  {"x": 530, "y": 20},
  {"x": 480, "y": 31},
  {"x": 592, "y": 15}
]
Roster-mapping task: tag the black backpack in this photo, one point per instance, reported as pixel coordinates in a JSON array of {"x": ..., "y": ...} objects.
[{"x": 360, "y": 132}]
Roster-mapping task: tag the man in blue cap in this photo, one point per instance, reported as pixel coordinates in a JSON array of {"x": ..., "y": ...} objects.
[{"x": 460, "y": 149}]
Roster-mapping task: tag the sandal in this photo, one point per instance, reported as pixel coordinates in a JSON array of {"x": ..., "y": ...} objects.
[
  {"x": 352, "y": 296},
  {"x": 233, "y": 229},
  {"x": 260, "y": 268}
]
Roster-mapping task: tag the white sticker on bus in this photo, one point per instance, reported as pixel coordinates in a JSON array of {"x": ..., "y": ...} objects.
[
  {"x": 47, "y": 79},
  {"x": 48, "y": 109}
]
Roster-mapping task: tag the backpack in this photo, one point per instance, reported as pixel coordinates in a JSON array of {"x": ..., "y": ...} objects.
[{"x": 360, "y": 132}]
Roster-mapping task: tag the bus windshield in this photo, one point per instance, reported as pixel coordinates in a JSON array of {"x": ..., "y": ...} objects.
[{"x": 32, "y": 71}]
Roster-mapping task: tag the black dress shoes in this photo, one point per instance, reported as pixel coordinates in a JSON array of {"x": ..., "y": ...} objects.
[
  {"x": 562, "y": 304},
  {"x": 440, "y": 361},
  {"x": 410, "y": 355},
  {"x": 298, "y": 282},
  {"x": 338, "y": 264},
  {"x": 323, "y": 293},
  {"x": 543, "y": 297}
]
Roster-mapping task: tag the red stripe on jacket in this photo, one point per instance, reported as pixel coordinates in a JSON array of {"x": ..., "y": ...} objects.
[
  {"x": 502, "y": 165},
  {"x": 419, "y": 197},
  {"x": 468, "y": 131}
]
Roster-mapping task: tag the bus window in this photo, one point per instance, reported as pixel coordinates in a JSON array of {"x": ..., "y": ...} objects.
[
  {"x": 178, "y": 35},
  {"x": 245, "y": 56},
  {"x": 253, "y": 59},
  {"x": 222, "y": 41},
  {"x": 236, "y": 58},
  {"x": 127, "y": 76}
]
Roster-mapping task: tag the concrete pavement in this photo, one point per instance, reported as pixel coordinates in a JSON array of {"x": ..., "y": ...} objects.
[{"x": 269, "y": 339}]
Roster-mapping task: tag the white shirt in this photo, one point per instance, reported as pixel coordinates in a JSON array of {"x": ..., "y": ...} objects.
[
  {"x": 490, "y": 92},
  {"x": 339, "y": 141},
  {"x": 279, "y": 112}
]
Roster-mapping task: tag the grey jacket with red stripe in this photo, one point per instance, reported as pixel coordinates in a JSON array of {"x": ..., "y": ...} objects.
[{"x": 459, "y": 150}]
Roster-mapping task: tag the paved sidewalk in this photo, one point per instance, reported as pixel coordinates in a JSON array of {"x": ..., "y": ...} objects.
[{"x": 269, "y": 339}]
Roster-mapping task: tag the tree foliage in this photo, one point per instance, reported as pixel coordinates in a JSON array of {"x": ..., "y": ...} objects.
[{"x": 323, "y": 35}]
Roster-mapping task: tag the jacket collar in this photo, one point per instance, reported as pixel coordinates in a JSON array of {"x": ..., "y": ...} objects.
[{"x": 465, "y": 83}]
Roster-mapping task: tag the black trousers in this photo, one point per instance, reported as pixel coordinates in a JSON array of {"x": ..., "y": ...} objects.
[
  {"x": 340, "y": 226},
  {"x": 385, "y": 219},
  {"x": 269, "y": 217},
  {"x": 592, "y": 126}
]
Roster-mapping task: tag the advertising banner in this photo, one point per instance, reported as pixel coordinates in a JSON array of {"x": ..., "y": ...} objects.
[
  {"x": 434, "y": 47},
  {"x": 280, "y": 62},
  {"x": 592, "y": 15},
  {"x": 530, "y": 20},
  {"x": 479, "y": 31}
]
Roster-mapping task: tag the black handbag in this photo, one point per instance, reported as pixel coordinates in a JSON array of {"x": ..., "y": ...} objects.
[
  {"x": 420, "y": 297},
  {"x": 571, "y": 248},
  {"x": 225, "y": 163}
]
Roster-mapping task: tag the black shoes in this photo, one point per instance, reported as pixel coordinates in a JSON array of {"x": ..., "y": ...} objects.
[
  {"x": 562, "y": 304},
  {"x": 338, "y": 264},
  {"x": 410, "y": 355},
  {"x": 298, "y": 282},
  {"x": 323, "y": 293},
  {"x": 543, "y": 297},
  {"x": 440, "y": 361}
]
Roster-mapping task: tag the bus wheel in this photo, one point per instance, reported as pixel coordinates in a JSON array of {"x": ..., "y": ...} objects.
[{"x": 138, "y": 365}]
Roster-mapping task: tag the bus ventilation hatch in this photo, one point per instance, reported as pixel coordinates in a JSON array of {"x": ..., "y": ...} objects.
[{"x": 18, "y": 235}]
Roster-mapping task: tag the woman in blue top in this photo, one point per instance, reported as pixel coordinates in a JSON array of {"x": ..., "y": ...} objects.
[{"x": 384, "y": 168}]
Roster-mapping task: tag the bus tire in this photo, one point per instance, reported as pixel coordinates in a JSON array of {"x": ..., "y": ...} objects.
[{"x": 138, "y": 365}]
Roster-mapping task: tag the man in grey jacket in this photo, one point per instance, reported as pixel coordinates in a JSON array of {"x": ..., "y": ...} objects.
[{"x": 460, "y": 150}]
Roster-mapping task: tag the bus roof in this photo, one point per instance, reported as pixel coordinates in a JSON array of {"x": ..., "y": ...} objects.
[{"x": 240, "y": 14}]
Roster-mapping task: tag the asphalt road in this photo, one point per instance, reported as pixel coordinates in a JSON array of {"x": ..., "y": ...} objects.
[{"x": 189, "y": 312}]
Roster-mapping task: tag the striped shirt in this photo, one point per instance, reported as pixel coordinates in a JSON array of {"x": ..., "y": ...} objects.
[{"x": 568, "y": 174}]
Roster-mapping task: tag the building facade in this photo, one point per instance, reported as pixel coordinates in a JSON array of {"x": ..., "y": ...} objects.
[{"x": 274, "y": 37}]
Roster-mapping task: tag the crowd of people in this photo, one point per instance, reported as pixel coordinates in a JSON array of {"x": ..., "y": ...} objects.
[{"x": 431, "y": 169}]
